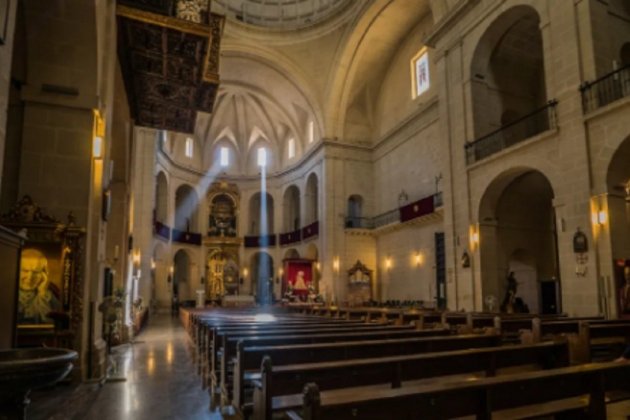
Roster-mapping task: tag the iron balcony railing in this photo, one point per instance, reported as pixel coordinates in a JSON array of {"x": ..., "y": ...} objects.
[
  {"x": 537, "y": 122},
  {"x": 404, "y": 213},
  {"x": 606, "y": 90}
]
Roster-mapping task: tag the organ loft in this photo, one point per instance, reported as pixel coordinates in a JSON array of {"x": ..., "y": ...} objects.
[{"x": 317, "y": 209}]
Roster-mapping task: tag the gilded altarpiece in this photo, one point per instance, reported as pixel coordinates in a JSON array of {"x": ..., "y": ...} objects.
[
  {"x": 222, "y": 241},
  {"x": 359, "y": 284}
]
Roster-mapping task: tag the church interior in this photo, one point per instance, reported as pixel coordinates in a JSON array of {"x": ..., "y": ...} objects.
[{"x": 317, "y": 209}]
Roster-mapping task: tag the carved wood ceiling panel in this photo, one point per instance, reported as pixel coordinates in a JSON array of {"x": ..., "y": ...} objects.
[{"x": 170, "y": 67}]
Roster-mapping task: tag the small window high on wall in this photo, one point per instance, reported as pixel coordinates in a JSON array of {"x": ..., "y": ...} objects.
[
  {"x": 291, "y": 147},
  {"x": 224, "y": 156},
  {"x": 189, "y": 147},
  {"x": 420, "y": 80},
  {"x": 262, "y": 157},
  {"x": 311, "y": 131}
]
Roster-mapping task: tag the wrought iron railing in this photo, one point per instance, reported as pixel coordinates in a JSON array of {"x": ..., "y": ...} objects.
[
  {"x": 404, "y": 213},
  {"x": 606, "y": 90},
  {"x": 537, "y": 122}
]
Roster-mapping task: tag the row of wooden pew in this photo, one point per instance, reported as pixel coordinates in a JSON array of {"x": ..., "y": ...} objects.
[{"x": 325, "y": 365}]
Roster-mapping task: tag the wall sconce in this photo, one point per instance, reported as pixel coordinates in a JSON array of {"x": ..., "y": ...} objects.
[
  {"x": 245, "y": 272},
  {"x": 474, "y": 237},
  {"x": 336, "y": 264},
  {"x": 152, "y": 264},
  {"x": 388, "y": 263},
  {"x": 317, "y": 266},
  {"x": 171, "y": 270},
  {"x": 280, "y": 272},
  {"x": 602, "y": 217},
  {"x": 419, "y": 259},
  {"x": 97, "y": 147}
]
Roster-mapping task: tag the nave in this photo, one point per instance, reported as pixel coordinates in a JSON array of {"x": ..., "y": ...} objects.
[{"x": 161, "y": 383}]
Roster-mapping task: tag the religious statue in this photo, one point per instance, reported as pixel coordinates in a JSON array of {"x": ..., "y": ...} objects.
[
  {"x": 299, "y": 284},
  {"x": 510, "y": 294}
]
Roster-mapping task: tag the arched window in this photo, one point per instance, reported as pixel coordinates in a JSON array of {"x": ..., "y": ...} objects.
[
  {"x": 311, "y": 131},
  {"x": 291, "y": 208},
  {"x": 189, "y": 148},
  {"x": 224, "y": 156},
  {"x": 261, "y": 157},
  {"x": 291, "y": 148},
  {"x": 355, "y": 211}
]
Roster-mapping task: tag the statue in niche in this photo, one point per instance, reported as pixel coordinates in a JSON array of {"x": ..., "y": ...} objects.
[
  {"x": 193, "y": 10},
  {"x": 222, "y": 221}
]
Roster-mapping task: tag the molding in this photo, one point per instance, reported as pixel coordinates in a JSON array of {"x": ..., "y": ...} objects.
[
  {"x": 449, "y": 21},
  {"x": 607, "y": 109}
]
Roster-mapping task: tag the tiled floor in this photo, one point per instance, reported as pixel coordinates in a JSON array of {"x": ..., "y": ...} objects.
[{"x": 161, "y": 383}]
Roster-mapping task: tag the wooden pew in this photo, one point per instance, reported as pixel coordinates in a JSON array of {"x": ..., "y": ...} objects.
[
  {"x": 220, "y": 334},
  {"x": 575, "y": 392},
  {"x": 248, "y": 359},
  {"x": 220, "y": 363},
  {"x": 275, "y": 392}
]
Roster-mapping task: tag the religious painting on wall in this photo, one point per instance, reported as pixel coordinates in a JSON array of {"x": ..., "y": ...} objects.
[
  {"x": 40, "y": 290},
  {"x": 49, "y": 284}
]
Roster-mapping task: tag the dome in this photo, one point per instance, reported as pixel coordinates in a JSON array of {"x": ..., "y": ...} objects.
[{"x": 279, "y": 14}]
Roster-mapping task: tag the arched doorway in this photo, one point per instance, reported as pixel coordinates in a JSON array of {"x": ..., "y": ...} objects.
[
  {"x": 312, "y": 200},
  {"x": 517, "y": 233},
  {"x": 161, "y": 198},
  {"x": 181, "y": 275},
  {"x": 261, "y": 267},
  {"x": 355, "y": 211},
  {"x": 291, "y": 207},
  {"x": 261, "y": 214},
  {"x": 186, "y": 203},
  {"x": 507, "y": 71},
  {"x": 618, "y": 200}
]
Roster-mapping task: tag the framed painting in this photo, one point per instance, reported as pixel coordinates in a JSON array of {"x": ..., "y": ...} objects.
[
  {"x": 49, "y": 285},
  {"x": 4, "y": 20}
]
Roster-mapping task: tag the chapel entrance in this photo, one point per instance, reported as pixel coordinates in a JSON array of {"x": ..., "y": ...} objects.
[{"x": 518, "y": 235}]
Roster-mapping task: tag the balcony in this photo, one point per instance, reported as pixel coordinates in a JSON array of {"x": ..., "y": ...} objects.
[
  {"x": 161, "y": 230},
  {"x": 289, "y": 238},
  {"x": 605, "y": 90},
  {"x": 189, "y": 238},
  {"x": 537, "y": 122},
  {"x": 408, "y": 212},
  {"x": 310, "y": 231},
  {"x": 260, "y": 241}
]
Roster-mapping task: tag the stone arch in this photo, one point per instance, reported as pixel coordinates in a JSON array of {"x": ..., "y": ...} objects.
[
  {"x": 354, "y": 211},
  {"x": 261, "y": 214},
  {"x": 507, "y": 70},
  {"x": 181, "y": 280},
  {"x": 291, "y": 253},
  {"x": 161, "y": 198},
  {"x": 262, "y": 270},
  {"x": 186, "y": 209},
  {"x": 617, "y": 206},
  {"x": 517, "y": 228},
  {"x": 311, "y": 199},
  {"x": 291, "y": 209}
]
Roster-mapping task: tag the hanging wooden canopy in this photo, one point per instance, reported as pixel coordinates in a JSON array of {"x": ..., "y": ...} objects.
[{"x": 170, "y": 65}]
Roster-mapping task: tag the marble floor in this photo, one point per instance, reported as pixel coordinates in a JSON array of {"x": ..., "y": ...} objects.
[{"x": 160, "y": 383}]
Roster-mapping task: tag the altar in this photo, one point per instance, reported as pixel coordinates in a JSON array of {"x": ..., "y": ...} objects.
[{"x": 238, "y": 301}]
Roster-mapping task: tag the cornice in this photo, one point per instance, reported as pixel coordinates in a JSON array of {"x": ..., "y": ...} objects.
[{"x": 449, "y": 21}]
